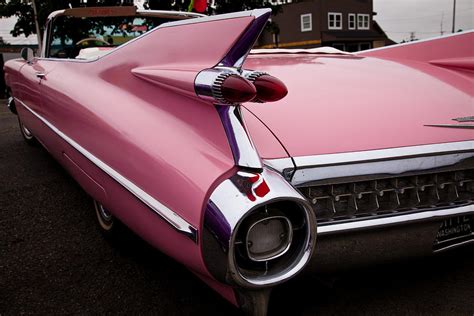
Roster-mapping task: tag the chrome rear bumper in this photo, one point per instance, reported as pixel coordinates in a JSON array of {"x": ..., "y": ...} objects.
[
  {"x": 437, "y": 215},
  {"x": 373, "y": 242},
  {"x": 351, "y": 234}
]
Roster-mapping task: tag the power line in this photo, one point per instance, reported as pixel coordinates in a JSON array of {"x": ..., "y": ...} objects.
[
  {"x": 408, "y": 18},
  {"x": 404, "y": 32},
  {"x": 381, "y": 17},
  {"x": 442, "y": 18},
  {"x": 454, "y": 15}
]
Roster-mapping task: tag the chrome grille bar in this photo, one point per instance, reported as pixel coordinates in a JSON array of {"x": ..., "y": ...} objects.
[{"x": 392, "y": 195}]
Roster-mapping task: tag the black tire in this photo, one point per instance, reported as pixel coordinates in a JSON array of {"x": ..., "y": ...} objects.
[{"x": 27, "y": 135}]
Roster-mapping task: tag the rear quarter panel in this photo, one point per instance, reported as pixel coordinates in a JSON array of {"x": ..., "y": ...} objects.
[{"x": 170, "y": 145}]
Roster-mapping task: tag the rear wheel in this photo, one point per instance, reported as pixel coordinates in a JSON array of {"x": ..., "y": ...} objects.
[
  {"x": 26, "y": 133},
  {"x": 106, "y": 221}
]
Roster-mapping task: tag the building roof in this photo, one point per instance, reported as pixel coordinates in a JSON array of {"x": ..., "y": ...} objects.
[{"x": 379, "y": 29}]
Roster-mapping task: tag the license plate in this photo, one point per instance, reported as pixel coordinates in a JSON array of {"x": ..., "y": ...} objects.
[{"x": 454, "y": 231}]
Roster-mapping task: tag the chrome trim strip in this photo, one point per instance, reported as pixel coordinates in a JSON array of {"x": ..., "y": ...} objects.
[
  {"x": 279, "y": 164},
  {"x": 394, "y": 220},
  {"x": 164, "y": 212},
  {"x": 386, "y": 161},
  {"x": 244, "y": 151},
  {"x": 228, "y": 205},
  {"x": 464, "y": 126},
  {"x": 207, "y": 86},
  {"x": 464, "y": 119},
  {"x": 383, "y": 161},
  {"x": 384, "y": 154},
  {"x": 389, "y": 167},
  {"x": 467, "y": 242},
  {"x": 236, "y": 56}
]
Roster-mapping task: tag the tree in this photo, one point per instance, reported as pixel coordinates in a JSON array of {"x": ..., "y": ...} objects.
[
  {"x": 226, "y": 6},
  {"x": 23, "y": 10},
  {"x": 25, "y": 25},
  {"x": 222, "y": 6}
]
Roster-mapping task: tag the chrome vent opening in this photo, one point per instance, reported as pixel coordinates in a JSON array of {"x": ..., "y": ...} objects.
[
  {"x": 268, "y": 238},
  {"x": 384, "y": 195},
  {"x": 272, "y": 241}
]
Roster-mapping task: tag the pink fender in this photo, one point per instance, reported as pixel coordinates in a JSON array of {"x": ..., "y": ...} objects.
[
  {"x": 130, "y": 116},
  {"x": 381, "y": 98}
]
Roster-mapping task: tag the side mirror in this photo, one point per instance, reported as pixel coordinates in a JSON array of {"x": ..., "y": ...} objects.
[{"x": 27, "y": 54}]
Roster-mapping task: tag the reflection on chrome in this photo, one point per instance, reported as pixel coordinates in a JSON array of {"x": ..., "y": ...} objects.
[
  {"x": 235, "y": 207},
  {"x": 244, "y": 151},
  {"x": 371, "y": 189}
]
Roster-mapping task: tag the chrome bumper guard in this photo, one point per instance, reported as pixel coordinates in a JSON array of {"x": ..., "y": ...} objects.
[{"x": 396, "y": 234}]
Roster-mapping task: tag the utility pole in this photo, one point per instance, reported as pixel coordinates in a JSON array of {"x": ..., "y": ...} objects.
[
  {"x": 454, "y": 16},
  {"x": 38, "y": 31},
  {"x": 442, "y": 19}
]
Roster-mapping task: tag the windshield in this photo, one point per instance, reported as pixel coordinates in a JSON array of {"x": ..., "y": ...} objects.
[{"x": 72, "y": 36}]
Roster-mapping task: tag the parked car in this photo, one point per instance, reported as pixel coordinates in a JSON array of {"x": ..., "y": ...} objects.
[{"x": 234, "y": 163}]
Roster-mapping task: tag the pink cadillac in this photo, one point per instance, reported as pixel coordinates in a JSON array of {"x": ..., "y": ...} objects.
[{"x": 234, "y": 163}]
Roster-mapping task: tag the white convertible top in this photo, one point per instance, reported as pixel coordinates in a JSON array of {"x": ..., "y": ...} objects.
[
  {"x": 91, "y": 53},
  {"x": 96, "y": 52},
  {"x": 318, "y": 50}
]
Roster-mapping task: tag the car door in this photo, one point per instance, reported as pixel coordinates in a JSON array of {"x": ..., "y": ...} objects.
[
  {"x": 31, "y": 75},
  {"x": 37, "y": 74}
]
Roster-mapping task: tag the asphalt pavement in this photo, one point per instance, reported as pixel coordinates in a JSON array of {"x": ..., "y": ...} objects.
[{"x": 53, "y": 260}]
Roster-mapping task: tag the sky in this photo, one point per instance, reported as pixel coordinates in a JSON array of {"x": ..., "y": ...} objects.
[
  {"x": 426, "y": 18},
  {"x": 6, "y": 25}
]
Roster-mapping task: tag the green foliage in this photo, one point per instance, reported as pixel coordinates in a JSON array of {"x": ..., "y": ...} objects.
[
  {"x": 23, "y": 10},
  {"x": 168, "y": 5},
  {"x": 222, "y": 6},
  {"x": 226, "y": 6}
]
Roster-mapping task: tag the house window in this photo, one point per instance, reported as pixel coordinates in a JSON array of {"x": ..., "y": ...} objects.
[
  {"x": 352, "y": 21},
  {"x": 363, "y": 21},
  {"x": 306, "y": 22},
  {"x": 335, "y": 21},
  {"x": 339, "y": 46},
  {"x": 364, "y": 46}
]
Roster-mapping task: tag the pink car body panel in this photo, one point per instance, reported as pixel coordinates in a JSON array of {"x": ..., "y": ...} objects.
[
  {"x": 343, "y": 103},
  {"x": 448, "y": 47},
  {"x": 135, "y": 125},
  {"x": 136, "y": 109}
]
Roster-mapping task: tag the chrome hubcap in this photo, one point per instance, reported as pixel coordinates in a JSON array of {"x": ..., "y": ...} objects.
[
  {"x": 26, "y": 131},
  {"x": 104, "y": 213}
]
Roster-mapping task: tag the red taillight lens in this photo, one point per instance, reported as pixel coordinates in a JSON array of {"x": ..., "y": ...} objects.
[
  {"x": 269, "y": 88},
  {"x": 236, "y": 89}
]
